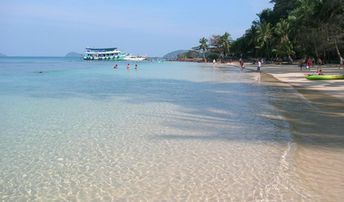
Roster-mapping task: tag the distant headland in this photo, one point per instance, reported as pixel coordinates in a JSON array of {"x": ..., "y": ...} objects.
[
  {"x": 174, "y": 54},
  {"x": 73, "y": 55}
]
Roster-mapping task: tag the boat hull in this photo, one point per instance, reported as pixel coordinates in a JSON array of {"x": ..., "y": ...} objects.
[
  {"x": 104, "y": 58},
  {"x": 134, "y": 59}
]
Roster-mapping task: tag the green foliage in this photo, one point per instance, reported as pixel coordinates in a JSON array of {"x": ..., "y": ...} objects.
[
  {"x": 293, "y": 28},
  {"x": 264, "y": 36},
  {"x": 296, "y": 28},
  {"x": 225, "y": 44},
  {"x": 284, "y": 46},
  {"x": 221, "y": 44},
  {"x": 213, "y": 56},
  {"x": 267, "y": 15},
  {"x": 203, "y": 46},
  {"x": 282, "y": 8},
  {"x": 189, "y": 54},
  {"x": 218, "y": 48}
]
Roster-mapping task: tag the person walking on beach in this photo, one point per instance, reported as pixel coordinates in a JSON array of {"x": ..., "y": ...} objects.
[
  {"x": 259, "y": 65},
  {"x": 301, "y": 65},
  {"x": 320, "y": 63},
  {"x": 309, "y": 63},
  {"x": 214, "y": 63},
  {"x": 241, "y": 62}
]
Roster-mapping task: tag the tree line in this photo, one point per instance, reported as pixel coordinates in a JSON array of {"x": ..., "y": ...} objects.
[{"x": 292, "y": 29}]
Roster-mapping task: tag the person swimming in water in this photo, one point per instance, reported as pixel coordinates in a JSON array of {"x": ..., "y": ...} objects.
[{"x": 116, "y": 66}]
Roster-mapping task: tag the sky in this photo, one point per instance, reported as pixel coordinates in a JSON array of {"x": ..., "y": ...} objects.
[{"x": 146, "y": 27}]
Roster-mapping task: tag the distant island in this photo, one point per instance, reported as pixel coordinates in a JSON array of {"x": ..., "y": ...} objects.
[
  {"x": 73, "y": 55},
  {"x": 174, "y": 54},
  {"x": 3, "y": 55}
]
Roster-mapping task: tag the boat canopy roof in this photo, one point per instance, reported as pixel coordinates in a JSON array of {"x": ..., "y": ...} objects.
[{"x": 101, "y": 49}]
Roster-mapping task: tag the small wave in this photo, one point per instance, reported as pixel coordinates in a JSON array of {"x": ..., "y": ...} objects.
[{"x": 282, "y": 182}]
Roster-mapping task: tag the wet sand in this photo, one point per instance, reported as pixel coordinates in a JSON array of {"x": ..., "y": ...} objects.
[
  {"x": 315, "y": 113},
  {"x": 317, "y": 128}
]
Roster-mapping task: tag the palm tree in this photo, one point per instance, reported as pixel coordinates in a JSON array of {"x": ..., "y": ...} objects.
[
  {"x": 225, "y": 43},
  {"x": 285, "y": 46},
  {"x": 203, "y": 46},
  {"x": 264, "y": 37}
]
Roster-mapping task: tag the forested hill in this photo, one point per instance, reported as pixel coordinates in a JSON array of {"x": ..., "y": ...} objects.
[
  {"x": 292, "y": 29},
  {"x": 174, "y": 55}
]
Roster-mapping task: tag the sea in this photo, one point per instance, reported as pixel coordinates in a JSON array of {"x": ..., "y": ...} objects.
[{"x": 75, "y": 130}]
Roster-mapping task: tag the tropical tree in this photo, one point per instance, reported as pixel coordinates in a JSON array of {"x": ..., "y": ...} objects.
[
  {"x": 296, "y": 28},
  {"x": 215, "y": 43},
  {"x": 331, "y": 15},
  {"x": 225, "y": 44},
  {"x": 319, "y": 26},
  {"x": 284, "y": 45},
  {"x": 282, "y": 8},
  {"x": 266, "y": 15},
  {"x": 220, "y": 45},
  {"x": 308, "y": 34},
  {"x": 264, "y": 36},
  {"x": 203, "y": 46}
]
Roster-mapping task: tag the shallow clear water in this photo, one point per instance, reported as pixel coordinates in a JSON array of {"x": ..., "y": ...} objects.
[{"x": 78, "y": 130}]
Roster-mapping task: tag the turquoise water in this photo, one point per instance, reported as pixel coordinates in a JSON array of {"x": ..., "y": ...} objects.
[{"x": 81, "y": 130}]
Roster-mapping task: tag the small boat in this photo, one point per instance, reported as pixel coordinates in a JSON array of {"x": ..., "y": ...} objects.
[
  {"x": 134, "y": 58},
  {"x": 323, "y": 77}
]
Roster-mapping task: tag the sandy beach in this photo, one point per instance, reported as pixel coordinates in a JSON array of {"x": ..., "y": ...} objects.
[
  {"x": 316, "y": 127},
  {"x": 292, "y": 75},
  {"x": 296, "y": 78}
]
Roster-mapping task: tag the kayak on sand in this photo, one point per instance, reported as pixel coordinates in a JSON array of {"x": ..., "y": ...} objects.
[{"x": 323, "y": 77}]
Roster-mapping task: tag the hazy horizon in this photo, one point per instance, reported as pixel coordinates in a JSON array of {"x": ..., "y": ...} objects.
[{"x": 153, "y": 28}]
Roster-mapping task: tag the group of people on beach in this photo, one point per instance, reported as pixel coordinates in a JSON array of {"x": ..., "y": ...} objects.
[
  {"x": 242, "y": 64},
  {"x": 116, "y": 66},
  {"x": 309, "y": 63}
]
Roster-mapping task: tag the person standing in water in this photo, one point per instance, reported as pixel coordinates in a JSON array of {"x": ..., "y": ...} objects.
[
  {"x": 128, "y": 66},
  {"x": 136, "y": 66}
]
